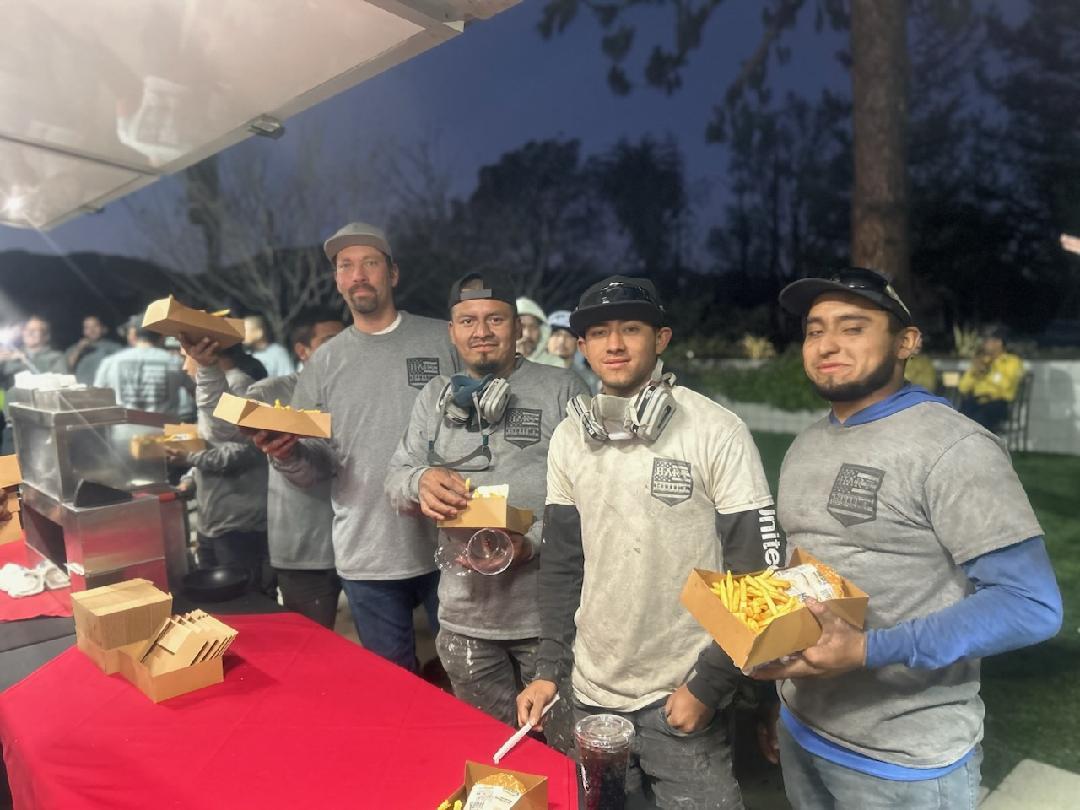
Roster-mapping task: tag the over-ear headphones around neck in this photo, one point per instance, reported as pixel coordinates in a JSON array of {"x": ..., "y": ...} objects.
[
  {"x": 464, "y": 395},
  {"x": 644, "y": 416}
]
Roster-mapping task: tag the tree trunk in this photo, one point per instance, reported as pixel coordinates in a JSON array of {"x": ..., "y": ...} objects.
[{"x": 879, "y": 79}]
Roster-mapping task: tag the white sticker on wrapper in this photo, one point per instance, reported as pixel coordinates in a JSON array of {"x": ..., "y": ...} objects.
[
  {"x": 807, "y": 581},
  {"x": 491, "y": 797}
]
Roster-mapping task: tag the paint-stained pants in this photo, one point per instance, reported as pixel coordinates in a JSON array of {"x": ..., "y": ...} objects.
[{"x": 488, "y": 674}]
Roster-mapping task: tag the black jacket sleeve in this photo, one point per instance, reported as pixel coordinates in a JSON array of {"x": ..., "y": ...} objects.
[
  {"x": 752, "y": 540},
  {"x": 562, "y": 568}
]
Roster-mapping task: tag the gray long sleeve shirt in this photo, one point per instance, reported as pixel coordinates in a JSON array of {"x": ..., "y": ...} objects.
[
  {"x": 368, "y": 384},
  {"x": 299, "y": 521},
  {"x": 230, "y": 474},
  {"x": 502, "y": 606}
]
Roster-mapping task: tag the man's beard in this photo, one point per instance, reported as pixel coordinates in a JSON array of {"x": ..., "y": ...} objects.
[
  {"x": 365, "y": 306},
  {"x": 858, "y": 389}
]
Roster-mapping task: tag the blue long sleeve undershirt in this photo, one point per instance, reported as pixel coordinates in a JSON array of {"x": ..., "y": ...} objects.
[{"x": 1016, "y": 603}]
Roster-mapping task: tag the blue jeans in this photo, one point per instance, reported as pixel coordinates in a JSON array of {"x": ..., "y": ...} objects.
[
  {"x": 383, "y": 613},
  {"x": 813, "y": 783}
]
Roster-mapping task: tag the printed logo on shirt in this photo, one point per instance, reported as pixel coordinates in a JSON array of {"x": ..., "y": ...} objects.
[
  {"x": 672, "y": 481},
  {"x": 421, "y": 370},
  {"x": 853, "y": 499},
  {"x": 521, "y": 426}
]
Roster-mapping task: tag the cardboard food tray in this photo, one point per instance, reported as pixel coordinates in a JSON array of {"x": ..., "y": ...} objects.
[
  {"x": 114, "y": 615},
  {"x": 492, "y": 512},
  {"x": 152, "y": 445},
  {"x": 169, "y": 317},
  {"x": 535, "y": 797},
  {"x": 159, "y": 687},
  {"x": 249, "y": 413},
  {"x": 786, "y": 634}
]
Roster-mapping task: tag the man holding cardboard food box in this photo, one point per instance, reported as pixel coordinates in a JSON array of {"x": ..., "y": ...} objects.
[
  {"x": 488, "y": 426},
  {"x": 646, "y": 481},
  {"x": 299, "y": 522},
  {"x": 230, "y": 474},
  {"x": 367, "y": 379},
  {"x": 920, "y": 507}
]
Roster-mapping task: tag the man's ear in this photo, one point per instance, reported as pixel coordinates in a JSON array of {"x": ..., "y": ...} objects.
[
  {"x": 663, "y": 338},
  {"x": 909, "y": 342},
  {"x": 517, "y": 328},
  {"x": 394, "y": 275}
]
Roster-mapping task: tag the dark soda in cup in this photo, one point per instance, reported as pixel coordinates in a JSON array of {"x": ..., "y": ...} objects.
[{"x": 603, "y": 742}]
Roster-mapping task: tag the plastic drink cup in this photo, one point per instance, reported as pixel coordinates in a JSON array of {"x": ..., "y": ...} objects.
[{"x": 603, "y": 743}]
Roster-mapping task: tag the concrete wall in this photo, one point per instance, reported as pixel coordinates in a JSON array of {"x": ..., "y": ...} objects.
[{"x": 1054, "y": 425}]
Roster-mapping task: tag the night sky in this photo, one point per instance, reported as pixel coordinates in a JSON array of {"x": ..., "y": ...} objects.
[{"x": 501, "y": 84}]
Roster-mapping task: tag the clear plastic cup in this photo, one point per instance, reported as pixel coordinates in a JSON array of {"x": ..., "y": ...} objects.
[
  {"x": 449, "y": 556},
  {"x": 603, "y": 743},
  {"x": 490, "y": 551}
]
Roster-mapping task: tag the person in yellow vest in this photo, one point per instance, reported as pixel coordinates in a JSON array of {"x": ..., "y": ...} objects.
[{"x": 990, "y": 383}]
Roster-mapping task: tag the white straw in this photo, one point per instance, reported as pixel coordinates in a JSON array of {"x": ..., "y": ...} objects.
[{"x": 519, "y": 735}]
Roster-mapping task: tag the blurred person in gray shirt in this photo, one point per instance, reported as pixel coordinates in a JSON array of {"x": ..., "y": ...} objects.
[
  {"x": 84, "y": 358},
  {"x": 144, "y": 376},
  {"x": 300, "y": 521}
]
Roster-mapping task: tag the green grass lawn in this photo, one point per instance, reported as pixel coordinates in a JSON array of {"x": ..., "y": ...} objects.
[{"x": 1032, "y": 696}]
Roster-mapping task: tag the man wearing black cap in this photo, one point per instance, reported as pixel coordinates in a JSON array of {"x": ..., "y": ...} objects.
[
  {"x": 920, "y": 507},
  {"x": 488, "y": 426},
  {"x": 367, "y": 378},
  {"x": 646, "y": 481}
]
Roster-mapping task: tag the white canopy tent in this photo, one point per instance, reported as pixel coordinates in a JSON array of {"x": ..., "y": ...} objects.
[{"x": 99, "y": 98}]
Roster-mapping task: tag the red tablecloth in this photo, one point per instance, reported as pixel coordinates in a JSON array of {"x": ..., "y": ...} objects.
[
  {"x": 46, "y": 603},
  {"x": 304, "y": 719}
]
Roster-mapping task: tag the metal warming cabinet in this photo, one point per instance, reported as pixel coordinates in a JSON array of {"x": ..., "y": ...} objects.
[{"x": 89, "y": 504}]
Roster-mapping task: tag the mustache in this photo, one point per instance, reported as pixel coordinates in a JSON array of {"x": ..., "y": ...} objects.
[
  {"x": 361, "y": 286},
  {"x": 483, "y": 344}
]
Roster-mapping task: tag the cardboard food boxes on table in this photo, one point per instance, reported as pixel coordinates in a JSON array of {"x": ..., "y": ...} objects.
[
  {"x": 255, "y": 415},
  {"x": 169, "y": 317},
  {"x": 788, "y": 629},
  {"x": 10, "y": 478},
  {"x": 486, "y": 787},
  {"x": 181, "y": 437},
  {"x": 127, "y": 628},
  {"x": 489, "y": 508}
]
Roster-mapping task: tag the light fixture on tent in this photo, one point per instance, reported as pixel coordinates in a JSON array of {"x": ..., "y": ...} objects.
[{"x": 266, "y": 126}]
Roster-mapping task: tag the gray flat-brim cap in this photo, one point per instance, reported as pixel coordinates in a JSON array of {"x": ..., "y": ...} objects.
[{"x": 357, "y": 233}]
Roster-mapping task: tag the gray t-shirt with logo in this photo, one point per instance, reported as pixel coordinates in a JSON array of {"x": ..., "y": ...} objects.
[
  {"x": 502, "y": 606},
  {"x": 368, "y": 384},
  {"x": 897, "y": 506}
]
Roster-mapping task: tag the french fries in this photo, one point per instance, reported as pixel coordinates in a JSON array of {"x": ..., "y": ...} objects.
[
  {"x": 278, "y": 406},
  {"x": 756, "y": 599}
]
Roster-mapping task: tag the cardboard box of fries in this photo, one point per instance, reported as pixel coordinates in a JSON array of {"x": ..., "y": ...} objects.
[
  {"x": 152, "y": 445},
  {"x": 250, "y": 413},
  {"x": 169, "y": 317},
  {"x": 754, "y": 618},
  {"x": 127, "y": 628},
  {"x": 10, "y": 478},
  {"x": 489, "y": 509},
  {"x": 534, "y": 797}
]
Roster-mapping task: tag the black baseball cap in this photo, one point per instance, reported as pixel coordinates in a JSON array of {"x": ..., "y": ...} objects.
[
  {"x": 493, "y": 286},
  {"x": 618, "y": 298},
  {"x": 799, "y": 296}
]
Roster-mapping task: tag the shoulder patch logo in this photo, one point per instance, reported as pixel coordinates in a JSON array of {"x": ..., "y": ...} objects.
[
  {"x": 672, "y": 480},
  {"x": 421, "y": 370},
  {"x": 853, "y": 499},
  {"x": 521, "y": 426}
]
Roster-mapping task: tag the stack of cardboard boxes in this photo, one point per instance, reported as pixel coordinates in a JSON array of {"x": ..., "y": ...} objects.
[{"x": 128, "y": 628}]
